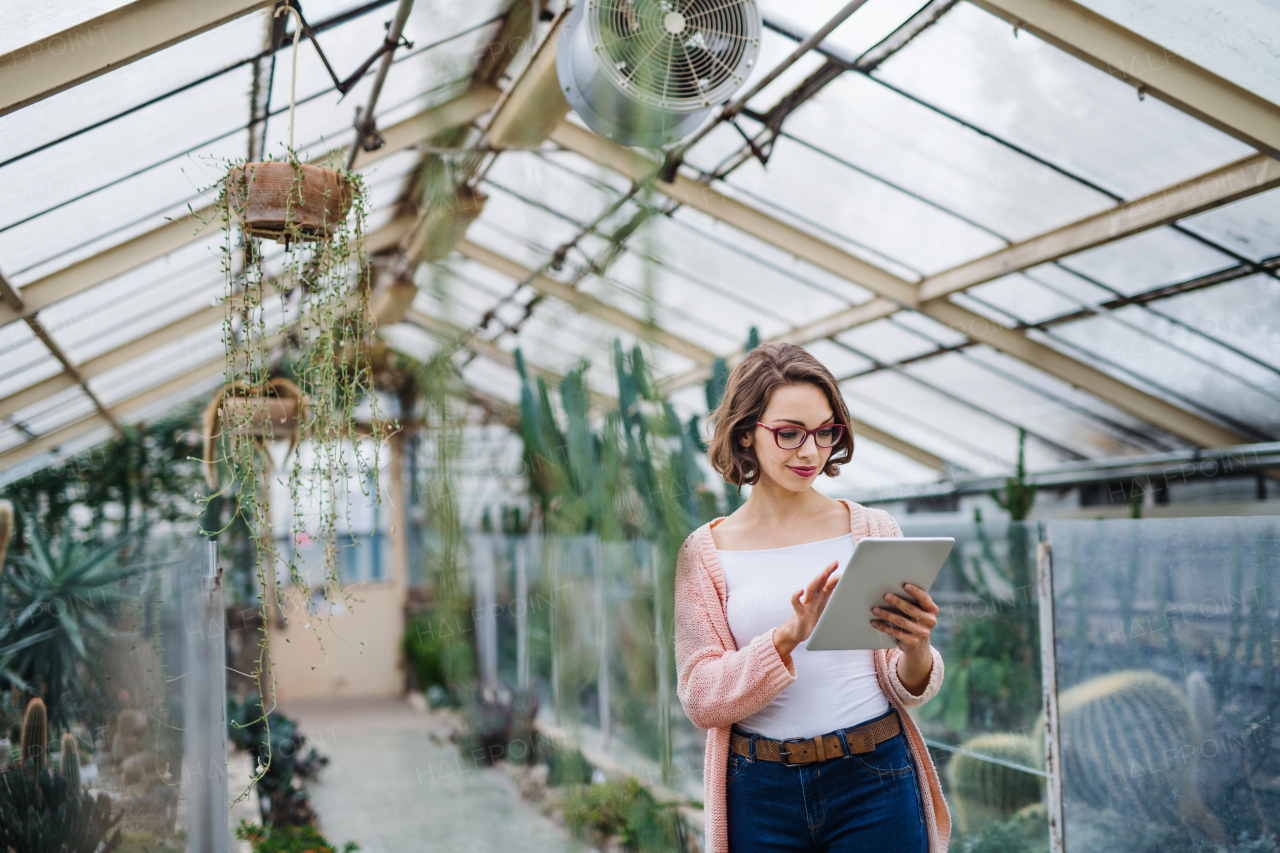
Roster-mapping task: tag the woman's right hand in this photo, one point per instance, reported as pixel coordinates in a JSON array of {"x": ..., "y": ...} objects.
[{"x": 808, "y": 604}]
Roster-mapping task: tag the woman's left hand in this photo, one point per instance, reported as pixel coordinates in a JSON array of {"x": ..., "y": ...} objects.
[{"x": 914, "y": 622}]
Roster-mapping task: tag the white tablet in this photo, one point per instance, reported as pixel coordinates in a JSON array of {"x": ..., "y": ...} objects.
[{"x": 878, "y": 566}]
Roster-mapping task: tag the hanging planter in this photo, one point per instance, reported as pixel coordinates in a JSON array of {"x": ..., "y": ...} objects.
[
  {"x": 287, "y": 201},
  {"x": 254, "y": 415}
]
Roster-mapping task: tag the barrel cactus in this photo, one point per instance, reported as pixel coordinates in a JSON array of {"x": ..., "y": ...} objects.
[
  {"x": 71, "y": 761},
  {"x": 35, "y": 733},
  {"x": 984, "y": 791},
  {"x": 1129, "y": 742}
]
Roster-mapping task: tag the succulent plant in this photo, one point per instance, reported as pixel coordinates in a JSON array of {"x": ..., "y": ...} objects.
[
  {"x": 70, "y": 761},
  {"x": 1128, "y": 745},
  {"x": 984, "y": 791},
  {"x": 35, "y": 733}
]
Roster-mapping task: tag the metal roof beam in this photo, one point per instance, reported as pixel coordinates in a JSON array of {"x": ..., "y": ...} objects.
[
  {"x": 124, "y": 35},
  {"x": 761, "y": 225},
  {"x": 158, "y": 242},
  {"x": 1152, "y": 68},
  {"x": 588, "y": 304},
  {"x": 1234, "y": 181}
]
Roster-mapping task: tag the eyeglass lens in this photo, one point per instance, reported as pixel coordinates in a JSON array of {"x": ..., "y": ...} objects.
[{"x": 790, "y": 438}]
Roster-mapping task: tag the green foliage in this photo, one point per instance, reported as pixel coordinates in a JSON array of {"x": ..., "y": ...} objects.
[
  {"x": 635, "y": 475},
  {"x": 148, "y": 472},
  {"x": 993, "y": 660},
  {"x": 566, "y": 765},
  {"x": 1025, "y": 832},
  {"x": 277, "y": 747},
  {"x": 35, "y": 734},
  {"x": 624, "y": 808},
  {"x": 288, "y": 839},
  {"x": 44, "y": 812},
  {"x": 984, "y": 791},
  {"x": 65, "y": 593},
  {"x": 422, "y": 651},
  {"x": 1018, "y": 495}
]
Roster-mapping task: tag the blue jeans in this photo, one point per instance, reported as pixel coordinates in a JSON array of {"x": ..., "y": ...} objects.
[{"x": 852, "y": 804}]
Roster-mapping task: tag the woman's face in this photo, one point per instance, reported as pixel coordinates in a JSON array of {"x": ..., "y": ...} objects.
[{"x": 792, "y": 406}]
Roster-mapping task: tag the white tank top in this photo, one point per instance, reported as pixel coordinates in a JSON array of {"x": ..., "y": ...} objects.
[{"x": 832, "y": 690}]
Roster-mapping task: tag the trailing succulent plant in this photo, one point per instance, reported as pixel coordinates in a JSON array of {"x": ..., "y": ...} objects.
[
  {"x": 45, "y": 812},
  {"x": 1128, "y": 745},
  {"x": 984, "y": 791}
]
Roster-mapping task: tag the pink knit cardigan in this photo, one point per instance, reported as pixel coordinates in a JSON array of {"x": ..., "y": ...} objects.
[{"x": 720, "y": 684}]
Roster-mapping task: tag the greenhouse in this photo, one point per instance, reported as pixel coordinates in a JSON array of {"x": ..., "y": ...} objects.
[{"x": 405, "y": 418}]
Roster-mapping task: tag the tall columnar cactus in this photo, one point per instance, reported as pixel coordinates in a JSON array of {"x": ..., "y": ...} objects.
[
  {"x": 35, "y": 733},
  {"x": 1129, "y": 742},
  {"x": 984, "y": 791},
  {"x": 71, "y": 761},
  {"x": 6, "y": 530}
]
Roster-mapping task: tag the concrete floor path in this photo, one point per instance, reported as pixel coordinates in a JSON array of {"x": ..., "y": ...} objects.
[{"x": 393, "y": 789}]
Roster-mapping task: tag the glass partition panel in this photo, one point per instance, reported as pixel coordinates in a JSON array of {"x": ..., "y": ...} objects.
[
  {"x": 112, "y": 664},
  {"x": 981, "y": 728},
  {"x": 1166, "y": 641}
]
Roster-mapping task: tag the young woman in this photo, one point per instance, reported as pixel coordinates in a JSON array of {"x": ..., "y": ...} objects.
[{"x": 806, "y": 751}]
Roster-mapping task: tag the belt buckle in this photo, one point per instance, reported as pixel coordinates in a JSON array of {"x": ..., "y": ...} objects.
[{"x": 785, "y": 753}]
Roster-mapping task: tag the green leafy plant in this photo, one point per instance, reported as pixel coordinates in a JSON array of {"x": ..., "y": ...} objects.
[
  {"x": 289, "y": 839},
  {"x": 278, "y": 750},
  {"x": 44, "y": 812},
  {"x": 64, "y": 592},
  {"x": 566, "y": 765},
  {"x": 625, "y": 808}
]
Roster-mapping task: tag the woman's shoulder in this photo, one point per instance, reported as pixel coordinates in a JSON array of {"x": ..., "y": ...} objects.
[{"x": 695, "y": 541}]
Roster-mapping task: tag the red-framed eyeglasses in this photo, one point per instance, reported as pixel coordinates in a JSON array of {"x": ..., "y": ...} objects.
[{"x": 792, "y": 437}]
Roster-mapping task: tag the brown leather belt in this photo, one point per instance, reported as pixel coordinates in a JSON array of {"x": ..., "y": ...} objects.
[{"x": 821, "y": 748}]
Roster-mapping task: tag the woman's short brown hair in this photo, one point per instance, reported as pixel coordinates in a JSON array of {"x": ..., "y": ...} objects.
[{"x": 751, "y": 385}]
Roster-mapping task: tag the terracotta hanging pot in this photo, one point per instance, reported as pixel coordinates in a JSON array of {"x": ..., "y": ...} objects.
[
  {"x": 277, "y": 200},
  {"x": 286, "y": 201},
  {"x": 263, "y": 413}
]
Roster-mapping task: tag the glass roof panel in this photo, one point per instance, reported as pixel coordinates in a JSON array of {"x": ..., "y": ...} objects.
[
  {"x": 493, "y": 378},
  {"x": 1165, "y": 371},
  {"x": 166, "y": 188},
  {"x": 43, "y": 418},
  {"x": 1047, "y": 420},
  {"x": 913, "y": 413},
  {"x": 1041, "y": 98},
  {"x": 1244, "y": 313},
  {"x": 1250, "y": 226},
  {"x": 885, "y": 341},
  {"x": 1229, "y": 39},
  {"x": 839, "y": 360},
  {"x": 1144, "y": 261},
  {"x": 888, "y": 221},
  {"x": 1124, "y": 428},
  {"x": 133, "y": 84},
  {"x": 872, "y": 128}
]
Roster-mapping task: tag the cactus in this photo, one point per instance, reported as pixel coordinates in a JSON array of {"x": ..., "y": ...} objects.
[
  {"x": 1128, "y": 744},
  {"x": 35, "y": 733},
  {"x": 71, "y": 761},
  {"x": 6, "y": 530},
  {"x": 985, "y": 791}
]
